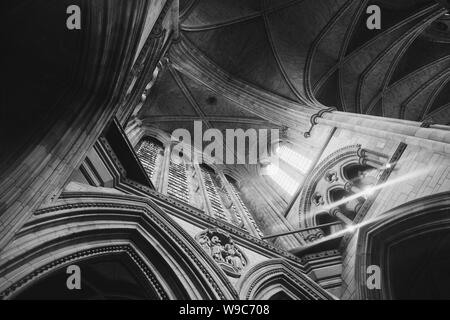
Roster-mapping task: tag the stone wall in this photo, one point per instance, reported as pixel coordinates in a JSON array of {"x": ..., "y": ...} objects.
[{"x": 430, "y": 174}]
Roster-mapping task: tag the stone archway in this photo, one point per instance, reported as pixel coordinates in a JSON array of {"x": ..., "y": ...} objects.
[
  {"x": 108, "y": 274},
  {"x": 411, "y": 246},
  {"x": 344, "y": 173},
  {"x": 86, "y": 226},
  {"x": 277, "y": 278}
]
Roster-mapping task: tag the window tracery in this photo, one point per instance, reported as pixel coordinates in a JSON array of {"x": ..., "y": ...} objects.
[
  {"x": 337, "y": 188},
  {"x": 151, "y": 154},
  {"x": 198, "y": 185}
]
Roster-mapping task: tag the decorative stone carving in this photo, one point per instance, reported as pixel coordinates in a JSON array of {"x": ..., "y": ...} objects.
[
  {"x": 333, "y": 179},
  {"x": 317, "y": 199},
  {"x": 219, "y": 245},
  {"x": 331, "y": 176},
  {"x": 348, "y": 186}
]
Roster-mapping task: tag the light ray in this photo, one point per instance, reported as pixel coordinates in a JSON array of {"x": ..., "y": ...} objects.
[
  {"x": 355, "y": 227},
  {"x": 371, "y": 190}
]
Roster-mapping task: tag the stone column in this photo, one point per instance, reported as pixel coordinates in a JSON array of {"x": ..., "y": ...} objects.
[{"x": 338, "y": 214}]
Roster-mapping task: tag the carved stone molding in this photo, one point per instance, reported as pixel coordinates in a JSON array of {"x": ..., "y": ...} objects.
[
  {"x": 403, "y": 223},
  {"x": 393, "y": 161},
  {"x": 258, "y": 282},
  {"x": 314, "y": 118},
  {"x": 183, "y": 210},
  {"x": 73, "y": 258},
  {"x": 129, "y": 218},
  {"x": 323, "y": 170}
]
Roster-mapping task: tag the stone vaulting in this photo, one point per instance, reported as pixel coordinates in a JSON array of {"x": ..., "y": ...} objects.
[{"x": 339, "y": 188}]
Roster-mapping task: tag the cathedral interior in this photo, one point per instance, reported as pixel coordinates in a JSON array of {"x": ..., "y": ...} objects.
[{"x": 351, "y": 201}]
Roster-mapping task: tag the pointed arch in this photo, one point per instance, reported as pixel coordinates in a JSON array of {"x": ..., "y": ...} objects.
[
  {"x": 386, "y": 241},
  {"x": 87, "y": 225},
  {"x": 271, "y": 278}
]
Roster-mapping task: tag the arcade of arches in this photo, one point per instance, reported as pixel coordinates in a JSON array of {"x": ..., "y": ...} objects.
[{"x": 359, "y": 175}]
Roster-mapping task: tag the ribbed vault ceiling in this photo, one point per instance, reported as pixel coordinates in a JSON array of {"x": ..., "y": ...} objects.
[{"x": 311, "y": 52}]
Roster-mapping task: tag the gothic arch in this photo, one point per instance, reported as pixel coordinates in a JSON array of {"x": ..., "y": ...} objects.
[
  {"x": 89, "y": 225},
  {"x": 270, "y": 278},
  {"x": 320, "y": 172},
  {"x": 108, "y": 272},
  {"x": 327, "y": 181},
  {"x": 388, "y": 240},
  {"x": 137, "y": 131}
]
